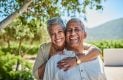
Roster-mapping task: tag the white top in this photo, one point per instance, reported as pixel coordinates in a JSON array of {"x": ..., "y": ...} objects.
[{"x": 91, "y": 70}]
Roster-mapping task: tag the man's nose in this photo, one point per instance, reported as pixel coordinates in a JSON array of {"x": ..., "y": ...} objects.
[{"x": 72, "y": 32}]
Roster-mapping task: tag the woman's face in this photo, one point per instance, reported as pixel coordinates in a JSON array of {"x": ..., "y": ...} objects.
[{"x": 57, "y": 36}]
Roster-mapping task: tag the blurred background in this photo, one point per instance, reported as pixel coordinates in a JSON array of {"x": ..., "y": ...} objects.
[{"x": 23, "y": 29}]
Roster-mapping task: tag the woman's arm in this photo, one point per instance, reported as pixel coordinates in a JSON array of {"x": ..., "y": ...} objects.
[
  {"x": 41, "y": 70},
  {"x": 91, "y": 53}
]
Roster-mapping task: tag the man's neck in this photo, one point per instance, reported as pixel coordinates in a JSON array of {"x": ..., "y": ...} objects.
[{"x": 78, "y": 49}]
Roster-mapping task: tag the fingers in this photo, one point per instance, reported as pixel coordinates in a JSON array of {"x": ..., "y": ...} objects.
[
  {"x": 65, "y": 60},
  {"x": 64, "y": 66},
  {"x": 67, "y": 63},
  {"x": 61, "y": 65}
]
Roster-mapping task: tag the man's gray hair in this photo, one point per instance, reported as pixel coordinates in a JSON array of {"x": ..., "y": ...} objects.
[
  {"x": 55, "y": 20},
  {"x": 76, "y": 20}
]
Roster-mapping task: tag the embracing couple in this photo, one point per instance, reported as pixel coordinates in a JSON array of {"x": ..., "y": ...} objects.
[{"x": 67, "y": 57}]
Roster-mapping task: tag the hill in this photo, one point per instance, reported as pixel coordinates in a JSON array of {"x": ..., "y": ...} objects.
[{"x": 109, "y": 30}]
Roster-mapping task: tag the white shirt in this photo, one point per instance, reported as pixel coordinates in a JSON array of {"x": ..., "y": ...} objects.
[{"x": 91, "y": 70}]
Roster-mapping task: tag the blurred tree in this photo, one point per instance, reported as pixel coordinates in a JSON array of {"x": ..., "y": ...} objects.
[
  {"x": 10, "y": 10},
  {"x": 21, "y": 31},
  {"x": 43, "y": 9}
]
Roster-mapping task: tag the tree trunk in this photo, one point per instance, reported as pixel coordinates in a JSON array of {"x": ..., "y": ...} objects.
[
  {"x": 8, "y": 42},
  {"x": 19, "y": 53},
  {"x": 17, "y": 65},
  {"x": 14, "y": 15}
]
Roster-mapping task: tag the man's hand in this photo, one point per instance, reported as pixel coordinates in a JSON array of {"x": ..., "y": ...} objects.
[{"x": 67, "y": 63}]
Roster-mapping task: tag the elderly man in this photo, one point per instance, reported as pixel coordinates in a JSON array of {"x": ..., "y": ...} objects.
[{"x": 91, "y": 70}]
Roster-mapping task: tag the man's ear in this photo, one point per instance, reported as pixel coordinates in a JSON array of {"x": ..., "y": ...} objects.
[{"x": 85, "y": 35}]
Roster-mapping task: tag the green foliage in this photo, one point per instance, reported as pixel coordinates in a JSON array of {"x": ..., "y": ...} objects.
[
  {"x": 7, "y": 68},
  {"x": 24, "y": 50},
  {"x": 108, "y": 44},
  {"x": 48, "y": 8},
  {"x": 19, "y": 32},
  {"x": 103, "y": 44}
]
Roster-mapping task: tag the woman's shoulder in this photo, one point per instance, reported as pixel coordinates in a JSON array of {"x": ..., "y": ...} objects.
[
  {"x": 44, "y": 45},
  {"x": 44, "y": 49}
]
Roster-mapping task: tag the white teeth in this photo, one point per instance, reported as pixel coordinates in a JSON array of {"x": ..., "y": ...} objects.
[
  {"x": 58, "y": 40},
  {"x": 73, "y": 38}
]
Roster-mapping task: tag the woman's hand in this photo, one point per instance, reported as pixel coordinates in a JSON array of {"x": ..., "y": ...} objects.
[{"x": 67, "y": 63}]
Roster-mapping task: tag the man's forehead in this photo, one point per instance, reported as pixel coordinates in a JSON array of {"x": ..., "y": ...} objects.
[{"x": 74, "y": 24}]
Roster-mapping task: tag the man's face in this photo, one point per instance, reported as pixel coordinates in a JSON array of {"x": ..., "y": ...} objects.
[
  {"x": 74, "y": 34},
  {"x": 57, "y": 36}
]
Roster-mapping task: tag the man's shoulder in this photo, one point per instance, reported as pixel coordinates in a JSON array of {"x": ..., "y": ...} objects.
[
  {"x": 54, "y": 60},
  {"x": 56, "y": 57},
  {"x": 87, "y": 44}
]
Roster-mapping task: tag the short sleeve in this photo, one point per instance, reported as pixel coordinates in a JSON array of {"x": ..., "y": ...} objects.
[{"x": 41, "y": 58}]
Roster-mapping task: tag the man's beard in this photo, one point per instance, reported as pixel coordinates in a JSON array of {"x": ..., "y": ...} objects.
[{"x": 73, "y": 47}]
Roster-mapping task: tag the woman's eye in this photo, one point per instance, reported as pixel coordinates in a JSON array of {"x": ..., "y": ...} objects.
[
  {"x": 52, "y": 34},
  {"x": 60, "y": 31}
]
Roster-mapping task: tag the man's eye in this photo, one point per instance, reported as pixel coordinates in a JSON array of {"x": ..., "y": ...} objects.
[
  {"x": 69, "y": 30},
  {"x": 76, "y": 30}
]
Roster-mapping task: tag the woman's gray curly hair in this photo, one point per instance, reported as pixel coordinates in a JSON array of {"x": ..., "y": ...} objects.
[{"x": 55, "y": 20}]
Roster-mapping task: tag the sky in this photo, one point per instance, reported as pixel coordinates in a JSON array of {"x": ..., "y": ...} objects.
[{"x": 112, "y": 9}]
